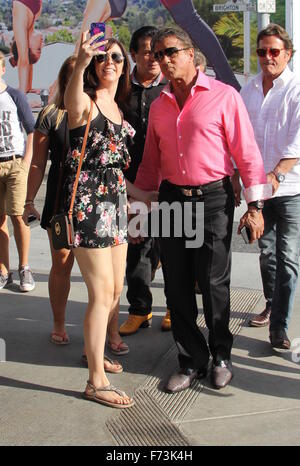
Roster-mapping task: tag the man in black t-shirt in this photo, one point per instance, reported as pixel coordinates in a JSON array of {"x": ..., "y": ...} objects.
[{"x": 142, "y": 259}]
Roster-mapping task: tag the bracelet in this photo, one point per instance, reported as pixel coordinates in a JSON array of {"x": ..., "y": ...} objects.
[{"x": 28, "y": 203}]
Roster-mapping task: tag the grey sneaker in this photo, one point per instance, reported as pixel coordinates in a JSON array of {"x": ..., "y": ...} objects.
[
  {"x": 5, "y": 279},
  {"x": 27, "y": 282}
]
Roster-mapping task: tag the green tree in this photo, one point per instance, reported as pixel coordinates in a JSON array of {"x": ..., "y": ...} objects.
[
  {"x": 60, "y": 36},
  {"x": 231, "y": 27},
  {"x": 279, "y": 16},
  {"x": 124, "y": 36}
]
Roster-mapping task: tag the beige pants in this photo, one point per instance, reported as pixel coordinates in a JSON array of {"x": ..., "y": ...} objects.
[{"x": 13, "y": 186}]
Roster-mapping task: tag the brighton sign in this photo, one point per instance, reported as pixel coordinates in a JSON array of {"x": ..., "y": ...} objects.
[
  {"x": 261, "y": 6},
  {"x": 235, "y": 6}
]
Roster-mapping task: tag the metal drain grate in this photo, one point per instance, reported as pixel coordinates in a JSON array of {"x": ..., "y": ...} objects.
[
  {"x": 145, "y": 424},
  {"x": 151, "y": 420}
]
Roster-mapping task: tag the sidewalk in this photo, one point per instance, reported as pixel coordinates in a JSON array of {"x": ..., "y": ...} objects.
[{"x": 40, "y": 383}]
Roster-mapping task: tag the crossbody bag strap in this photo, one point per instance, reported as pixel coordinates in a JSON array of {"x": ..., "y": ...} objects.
[{"x": 70, "y": 213}]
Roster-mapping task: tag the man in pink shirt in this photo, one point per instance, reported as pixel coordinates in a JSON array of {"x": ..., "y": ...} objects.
[{"x": 196, "y": 126}]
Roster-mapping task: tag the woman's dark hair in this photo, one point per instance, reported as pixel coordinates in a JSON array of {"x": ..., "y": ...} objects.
[{"x": 91, "y": 81}]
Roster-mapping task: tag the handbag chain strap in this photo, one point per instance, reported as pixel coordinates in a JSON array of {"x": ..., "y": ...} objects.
[{"x": 70, "y": 213}]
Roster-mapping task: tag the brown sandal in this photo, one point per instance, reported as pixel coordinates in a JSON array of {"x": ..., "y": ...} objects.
[{"x": 109, "y": 388}]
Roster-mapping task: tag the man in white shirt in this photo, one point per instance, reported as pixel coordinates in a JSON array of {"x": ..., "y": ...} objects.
[{"x": 273, "y": 102}]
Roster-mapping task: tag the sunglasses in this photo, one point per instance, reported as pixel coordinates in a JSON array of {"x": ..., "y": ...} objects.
[
  {"x": 115, "y": 56},
  {"x": 273, "y": 52},
  {"x": 169, "y": 52}
]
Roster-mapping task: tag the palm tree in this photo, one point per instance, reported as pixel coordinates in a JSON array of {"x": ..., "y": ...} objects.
[{"x": 231, "y": 26}]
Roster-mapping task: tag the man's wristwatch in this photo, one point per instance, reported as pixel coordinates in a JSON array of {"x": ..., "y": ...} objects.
[
  {"x": 259, "y": 205},
  {"x": 280, "y": 177}
]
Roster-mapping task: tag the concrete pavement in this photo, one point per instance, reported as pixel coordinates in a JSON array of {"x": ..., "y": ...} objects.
[{"x": 40, "y": 383}]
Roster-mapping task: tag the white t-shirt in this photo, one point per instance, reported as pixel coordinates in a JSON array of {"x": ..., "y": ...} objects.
[{"x": 14, "y": 113}]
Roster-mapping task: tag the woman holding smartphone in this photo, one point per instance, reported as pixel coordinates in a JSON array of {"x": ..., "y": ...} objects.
[
  {"x": 52, "y": 135},
  {"x": 100, "y": 244}
]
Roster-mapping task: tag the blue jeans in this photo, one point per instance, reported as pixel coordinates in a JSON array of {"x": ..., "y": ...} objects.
[{"x": 279, "y": 257}]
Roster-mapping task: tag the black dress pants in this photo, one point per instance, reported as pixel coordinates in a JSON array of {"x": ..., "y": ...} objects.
[
  {"x": 210, "y": 265},
  {"x": 142, "y": 259}
]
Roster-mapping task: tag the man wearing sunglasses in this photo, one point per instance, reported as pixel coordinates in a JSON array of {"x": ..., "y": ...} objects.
[
  {"x": 196, "y": 126},
  {"x": 273, "y": 102}
]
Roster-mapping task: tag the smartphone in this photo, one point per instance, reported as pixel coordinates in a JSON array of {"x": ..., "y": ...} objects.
[
  {"x": 31, "y": 219},
  {"x": 246, "y": 234},
  {"x": 95, "y": 28}
]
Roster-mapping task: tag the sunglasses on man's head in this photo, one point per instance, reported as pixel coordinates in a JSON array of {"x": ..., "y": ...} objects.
[
  {"x": 115, "y": 56},
  {"x": 273, "y": 52},
  {"x": 169, "y": 52}
]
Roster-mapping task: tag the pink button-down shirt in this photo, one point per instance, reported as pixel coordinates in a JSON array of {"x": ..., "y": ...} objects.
[{"x": 194, "y": 145}]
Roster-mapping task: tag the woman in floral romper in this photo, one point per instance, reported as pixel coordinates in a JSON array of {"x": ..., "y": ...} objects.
[{"x": 100, "y": 205}]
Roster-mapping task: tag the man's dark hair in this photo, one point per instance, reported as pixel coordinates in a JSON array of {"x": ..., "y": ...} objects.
[
  {"x": 173, "y": 31},
  {"x": 278, "y": 31},
  {"x": 141, "y": 33}
]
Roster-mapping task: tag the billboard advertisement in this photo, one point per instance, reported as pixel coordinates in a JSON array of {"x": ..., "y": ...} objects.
[{"x": 37, "y": 35}]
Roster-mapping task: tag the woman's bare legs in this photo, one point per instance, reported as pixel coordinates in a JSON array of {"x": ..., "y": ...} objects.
[
  {"x": 59, "y": 284},
  {"x": 98, "y": 272},
  {"x": 95, "y": 10},
  {"x": 23, "y": 21},
  {"x": 119, "y": 264}
]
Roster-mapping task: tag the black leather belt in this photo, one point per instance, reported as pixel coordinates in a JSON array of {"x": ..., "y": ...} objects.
[
  {"x": 10, "y": 157},
  {"x": 191, "y": 191}
]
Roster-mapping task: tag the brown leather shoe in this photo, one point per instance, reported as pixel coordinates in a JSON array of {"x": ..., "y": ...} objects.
[
  {"x": 221, "y": 373},
  {"x": 262, "y": 319},
  {"x": 166, "y": 322},
  {"x": 181, "y": 380},
  {"x": 134, "y": 322},
  {"x": 279, "y": 339}
]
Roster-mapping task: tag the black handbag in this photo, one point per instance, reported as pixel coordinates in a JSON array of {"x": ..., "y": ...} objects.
[{"x": 62, "y": 228}]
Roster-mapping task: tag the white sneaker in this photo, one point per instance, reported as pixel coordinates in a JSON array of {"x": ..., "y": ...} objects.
[{"x": 27, "y": 282}]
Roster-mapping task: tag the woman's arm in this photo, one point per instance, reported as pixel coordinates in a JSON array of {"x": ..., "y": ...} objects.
[
  {"x": 36, "y": 172},
  {"x": 77, "y": 102},
  {"x": 143, "y": 196}
]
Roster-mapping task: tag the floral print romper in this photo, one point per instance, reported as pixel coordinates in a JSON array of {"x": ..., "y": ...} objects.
[{"x": 100, "y": 208}]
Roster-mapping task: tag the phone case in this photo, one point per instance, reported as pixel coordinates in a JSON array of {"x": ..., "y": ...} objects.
[{"x": 95, "y": 28}]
